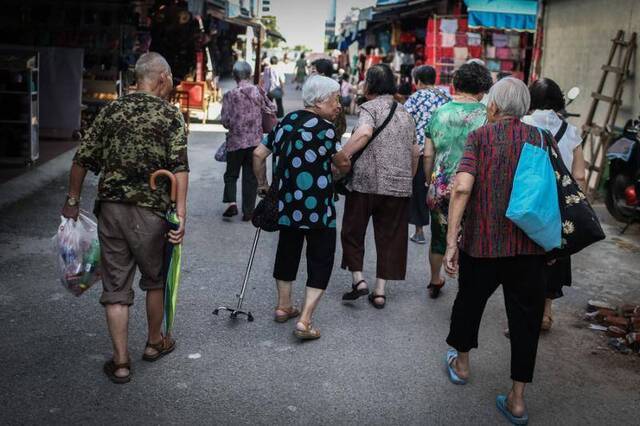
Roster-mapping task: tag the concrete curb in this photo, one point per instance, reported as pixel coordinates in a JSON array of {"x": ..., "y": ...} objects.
[{"x": 21, "y": 186}]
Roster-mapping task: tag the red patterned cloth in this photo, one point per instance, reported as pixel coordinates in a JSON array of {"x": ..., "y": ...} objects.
[{"x": 491, "y": 154}]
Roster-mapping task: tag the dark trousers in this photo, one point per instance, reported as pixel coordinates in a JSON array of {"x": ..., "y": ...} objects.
[
  {"x": 419, "y": 212},
  {"x": 236, "y": 160},
  {"x": 279, "y": 106},
  {"x": 522, "y": 279},
  {"x": 390, "y": 228},
  {"x": 321, "y": 249}
]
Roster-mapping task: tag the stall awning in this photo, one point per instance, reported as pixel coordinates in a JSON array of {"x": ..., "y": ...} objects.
[
  {"x": 518, "y": 15},
  {"x": 276, "y": 34}
]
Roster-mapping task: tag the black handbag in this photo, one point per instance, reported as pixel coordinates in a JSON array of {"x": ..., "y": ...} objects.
[
  {"x": 580, "y": 224},
  {"x": 341, "y": 184},
  {"x": 266, "y": 213}
]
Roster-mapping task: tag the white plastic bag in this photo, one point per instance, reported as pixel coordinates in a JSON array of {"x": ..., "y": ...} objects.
[{"x": 77, "y": 251}]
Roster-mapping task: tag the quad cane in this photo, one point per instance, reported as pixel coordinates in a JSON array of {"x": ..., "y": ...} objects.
[{"x": 237, "y": 310}]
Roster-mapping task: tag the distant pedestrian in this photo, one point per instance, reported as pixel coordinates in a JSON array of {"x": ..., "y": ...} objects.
[
  {"x": 301, "y": 71},
  {"x": 303, "y": 145},
  {"x": 273, "y": 82},
  {"x": 242, "y": 115},
  {"x": 421, "y": 105},
  {"x": 325, "y": 67},
  {"x": 445, "y": 138},
  {"x": 131, "y": 138},
  {"x": 346, "y": 92},
  {"x": 547, "y": 101},
  {"x": 492, "y": 250},
  {"x": 381, "y": 186}
]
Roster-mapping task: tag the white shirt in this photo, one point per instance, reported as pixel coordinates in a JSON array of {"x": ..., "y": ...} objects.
[{"x": 548, "y": 119}]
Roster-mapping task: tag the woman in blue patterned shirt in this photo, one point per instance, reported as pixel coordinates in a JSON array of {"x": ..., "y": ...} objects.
[{"x": 421, "y": 105}]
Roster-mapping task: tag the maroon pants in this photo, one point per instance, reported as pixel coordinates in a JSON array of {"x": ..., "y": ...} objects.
[{"x": 390, "y": 228}]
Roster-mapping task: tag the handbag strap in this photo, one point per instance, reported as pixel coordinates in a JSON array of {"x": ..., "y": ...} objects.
[
  {"x": 376, "y": 132},
  {"x": 561, "y": 131}
]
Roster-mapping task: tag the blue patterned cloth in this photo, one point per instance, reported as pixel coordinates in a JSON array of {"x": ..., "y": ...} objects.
[
  {"x": 421, "y": 105},
  {"x": 306, "y": 187}
]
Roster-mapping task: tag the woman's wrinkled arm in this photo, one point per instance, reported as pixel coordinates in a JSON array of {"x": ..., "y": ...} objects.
[
  {"x": 460, "y": 194},
  {"x": 428, "y": 159},
  {"x": 260, "y": 155},
  {"x": 578, "y": 168}
]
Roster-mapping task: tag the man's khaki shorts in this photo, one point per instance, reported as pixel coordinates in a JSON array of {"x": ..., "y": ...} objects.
[{"x": 130, "y": 236}]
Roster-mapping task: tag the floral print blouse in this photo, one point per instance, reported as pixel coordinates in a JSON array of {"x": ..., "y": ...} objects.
[{"x": 421, "y": 105}]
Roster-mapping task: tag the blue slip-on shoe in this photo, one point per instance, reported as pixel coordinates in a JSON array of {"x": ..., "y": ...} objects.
[
  {"x": 452, "y": 354},
  {"x": 501, "y": 403}
]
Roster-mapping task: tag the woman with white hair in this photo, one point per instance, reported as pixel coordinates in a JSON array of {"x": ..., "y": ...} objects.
[
  {"x": 242, "y": 115},
  {"x": 492, "y": 250},
  {"x": 303, "y": 145}
]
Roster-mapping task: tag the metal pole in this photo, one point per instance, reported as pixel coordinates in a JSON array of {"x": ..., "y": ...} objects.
[{"x": 248, "y": 271}]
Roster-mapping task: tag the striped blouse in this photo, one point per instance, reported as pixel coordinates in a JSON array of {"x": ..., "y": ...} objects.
[{"x": 491, "y": 155}]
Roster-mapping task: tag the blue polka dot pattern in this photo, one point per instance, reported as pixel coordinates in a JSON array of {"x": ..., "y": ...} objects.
[
  {"x": 304, "y": 180},
  {"x": 287, "y": 127},
  {"x": 280, "y": 206},
  {"x": 306, "y": 136},
  {"x": 297, "y": 215},
  {"x": 296, "y": 162},
  {"x": 288, "y": 197},
  {"x": 313, "y": 217},
  {"x": 322, "y": 151},
  {"x": 284, "y": 220},
  {"x": 293, "y": 116},
  {"x": 331, "y": 134},
  {"x": 298, "y": 195},
  {"x": 322, "y": 182},
  {"x": 328, "y": 144},
  {"x": 311, "y": 203},
  {"x": 299, "y": 144},
  {"x": 279, "y": 134},
  {"x": 310, "y": 156},
  {"x": 321, "y": 134},
  {"x": 311, "y": 123}
]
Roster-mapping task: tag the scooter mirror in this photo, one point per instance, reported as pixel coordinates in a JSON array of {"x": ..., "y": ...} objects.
[{"x": 573, "y": 93}]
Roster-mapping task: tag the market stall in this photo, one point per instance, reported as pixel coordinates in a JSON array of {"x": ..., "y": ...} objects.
[{"x": 498, "y": 32}]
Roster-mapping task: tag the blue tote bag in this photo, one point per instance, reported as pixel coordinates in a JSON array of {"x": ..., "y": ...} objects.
[{"x": 534, "y": 205}]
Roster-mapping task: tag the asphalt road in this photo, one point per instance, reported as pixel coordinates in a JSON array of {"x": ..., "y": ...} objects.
[{"x": 370, "y": 367}]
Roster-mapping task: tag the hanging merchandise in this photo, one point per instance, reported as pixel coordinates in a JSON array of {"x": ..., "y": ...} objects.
[
  {"x": 449, "y": 26},
  {"x": 474, "y": 39}
]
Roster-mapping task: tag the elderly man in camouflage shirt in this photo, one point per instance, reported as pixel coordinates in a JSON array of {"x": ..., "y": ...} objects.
[{"x": 130, "y": 139}]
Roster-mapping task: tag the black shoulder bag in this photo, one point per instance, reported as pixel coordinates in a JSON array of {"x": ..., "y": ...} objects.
[
  {"x": 341, "y": 185},
  {"x": 580, "y": 224},
  {"x": 266, "y": 214}
]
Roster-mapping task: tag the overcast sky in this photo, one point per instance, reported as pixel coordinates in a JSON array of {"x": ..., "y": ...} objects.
[{"x": 302, "y": 21}]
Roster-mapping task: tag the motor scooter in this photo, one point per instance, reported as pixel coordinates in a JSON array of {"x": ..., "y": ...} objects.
[{"x": 623, "y": 185}]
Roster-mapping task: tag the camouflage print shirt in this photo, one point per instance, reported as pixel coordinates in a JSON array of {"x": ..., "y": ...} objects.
[{"x": 131, "y": 138}]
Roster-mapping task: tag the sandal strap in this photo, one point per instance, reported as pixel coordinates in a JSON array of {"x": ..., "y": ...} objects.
[
  {"x": 375, "y": 296},
  {"x": 126, "y": 365},
  {"x": 161, "y": 345},
  {"x": 432, "y": 285},
  {"x": 355, "y": 286}
]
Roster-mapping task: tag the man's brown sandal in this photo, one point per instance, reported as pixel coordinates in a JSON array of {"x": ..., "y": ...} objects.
[
  {"x": 290, "y": 312},
  {"x": 162, "y": 348},
  {"x": 309, "y": 333},
  {"x": 110, "y": 367}
]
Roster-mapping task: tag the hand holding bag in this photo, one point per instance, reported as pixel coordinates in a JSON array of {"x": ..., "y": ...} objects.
[
  {"x": 221, "y": 153},
  {"x": 533, "y": 205}
]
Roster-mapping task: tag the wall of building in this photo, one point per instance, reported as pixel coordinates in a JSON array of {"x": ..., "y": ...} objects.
[{"x": 577, "y": 42}]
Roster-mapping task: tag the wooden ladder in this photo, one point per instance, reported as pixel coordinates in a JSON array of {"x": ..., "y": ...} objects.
[{"x": 595, "y": 137}]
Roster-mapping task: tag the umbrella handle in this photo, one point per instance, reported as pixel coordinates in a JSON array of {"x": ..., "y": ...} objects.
[{"x": 172, "y": 178}]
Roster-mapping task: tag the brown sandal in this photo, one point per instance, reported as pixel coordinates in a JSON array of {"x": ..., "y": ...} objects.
[
  {"x": 110, "y": 367},
  {"x": 309, "y": 333},
  {"x": 290, "y": 312},
  {"x": 162, "y": 348}
]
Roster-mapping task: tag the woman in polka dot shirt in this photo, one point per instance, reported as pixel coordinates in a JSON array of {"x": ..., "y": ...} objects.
[{"x": 306, "y": 139}]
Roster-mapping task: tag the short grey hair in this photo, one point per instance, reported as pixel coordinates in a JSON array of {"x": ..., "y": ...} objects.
[
  {"x": 317, "y": 89},
  {"x": 511, "y": 96},
  {"x": 150, "y": 65},
  {"x": 242, "y": 70}
]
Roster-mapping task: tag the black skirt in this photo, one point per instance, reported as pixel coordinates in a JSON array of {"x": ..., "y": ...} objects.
[
  {"x": 418, "y": 210},
  {"x": 558, "y": 275}
]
